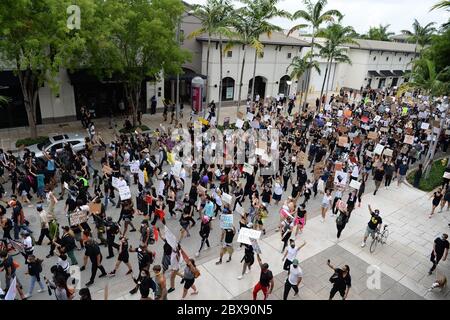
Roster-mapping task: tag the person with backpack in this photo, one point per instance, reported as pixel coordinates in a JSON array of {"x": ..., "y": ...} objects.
[
  {"x": 112, "y": 229},
  {"x": 34, "y": 270},
  {"x": 67, "y": 244}
]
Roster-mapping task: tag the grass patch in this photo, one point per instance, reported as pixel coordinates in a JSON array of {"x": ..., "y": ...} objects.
[
  {"x": 435, "y": 178},
  {"x": 30, "y": 141},
  {"x": 143, "y": 128}
]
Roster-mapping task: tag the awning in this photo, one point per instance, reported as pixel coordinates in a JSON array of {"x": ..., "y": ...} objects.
[
  {"x": 386, "y": 73},
  {"x": 398, "y": 73},
  {"x": 373, "y": 73}
]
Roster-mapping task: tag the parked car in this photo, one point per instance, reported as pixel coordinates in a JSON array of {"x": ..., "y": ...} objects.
[{"x": 55, "y": 144}]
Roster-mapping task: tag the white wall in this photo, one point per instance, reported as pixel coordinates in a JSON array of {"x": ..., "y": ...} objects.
[{"x": 54, "y": 107}]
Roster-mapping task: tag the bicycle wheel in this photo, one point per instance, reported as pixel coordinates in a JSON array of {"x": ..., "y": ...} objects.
[
  {"x": 373, "y": 245},
  {"x": 384, "y": 236}
]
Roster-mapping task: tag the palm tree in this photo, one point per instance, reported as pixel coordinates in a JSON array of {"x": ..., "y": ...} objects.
[
  {"x": 244, "y": 30},
  {"x": 314, "y": 17},
  {"x": 337, "y": 36},
  {"x": 443, "y": 4},
  {"x": 425, "y": 77},
  {"x": 420, "y": 35},
  {"x": 379, "y": 33},
  {"x": 208, "y": 16},
  {"x": 4, "y": 100},
  {"x": 259, "y": 13},
  {"x": 300, "y": 65}
]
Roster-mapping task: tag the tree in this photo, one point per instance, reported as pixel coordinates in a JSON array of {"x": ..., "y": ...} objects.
[
  {"x": 315, "y": 17},
  {"x": 421, "y": 35},
  {"x": 300, "y": 65},
  {"x": 426, "y": 78},
  {"x": 209, "y": 17},
  {"x": 336, "y": 36},
  {"x": 4, "y": 100},
  {"x": 379, "y": 33},
  {"x": 443, "y": 4},
  {"x": 37, "y": 43},
  {"x": 259, "y": 13},
  {"x": 244, "y": 28},
  {"x": 134, "y": 40}
]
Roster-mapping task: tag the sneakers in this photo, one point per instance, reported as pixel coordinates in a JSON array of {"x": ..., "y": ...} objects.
[
  {"x": 322, "y": 220},
  {"x": 90, "y": 283},
  {"x": 129, "y": 272},
  {"x": 219, "y": 262},
  {"x": 240, "y": 277},
  {"x": 171, "y": 290},
  {"x": 363, "y": 244},
  {"x": 41, "y": 290},
  {"x": 103, "y": 275},
  {"x": 109, "y": 257},
  {"x": 112, "y": 273},
  {"x": 197, "y": 254},
  {"x": 27, "y": 296}
]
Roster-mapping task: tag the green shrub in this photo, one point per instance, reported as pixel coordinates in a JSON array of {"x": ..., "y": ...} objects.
[
  {"x": 143, "y": 128},
  {"x": 435, "y": 178},
  {"x": 30, "y": 141}
]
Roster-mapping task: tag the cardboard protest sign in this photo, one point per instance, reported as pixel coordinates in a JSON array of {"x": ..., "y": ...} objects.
[
  {"x": 343, "y": 141},
  {"x": 369, "y": 153},
  {"x": 124, "y": 192},
  {"x": 95, "y": 208},
  {"x": 357, "y": 140},
  {"x": 262, "y": 144},
  {"x": 388, "y": 152},
  {"x": 384, "y": 129},
  {"x": 259, "y": 152},
  {"x": 340, "y": 178},
  {"x": 239, "y": 209},
  {"x": 408, "y": 139},
  {"x": 302, "y": 158},
  {"x": 226, "y": 221},
  {"x": 250, "y": 116},
  {"x": 77, "y": 217},
  {"x": 347, "y": 113},
  {"x": 436, "y": 123},
  {"x": 338, "y": 166},
  {"x": 379, "y": 149},
  {"x": 372, "y": 135},
  {"x": 245, "y": 234},
  {"x": 240, "y": 115},
  {"x": 201, "y": 189},
  {"x": 355, "y": 184},
  {"x": 342, "y": 129}
]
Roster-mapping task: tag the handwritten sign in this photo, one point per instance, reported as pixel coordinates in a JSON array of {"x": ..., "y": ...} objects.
[
  {"x": 124, "y": 192},
  {"x": 248, "y": 168},
  {"x": 78, "y": 217},
  {"x": 227, "y": 198},
  {"x": 226, "y": 221},
  {"x": 134, "y": 167},
  {"x": 409, "y": 139},
  {"x": 170, "y": 238},
  {"x": 379, "y": 149},
  {"x": 245, "y": 234},
  {"x": 239, "y": 123},
  {"x": 95, "y": 208},
  {"x": 355, "y": 184}
]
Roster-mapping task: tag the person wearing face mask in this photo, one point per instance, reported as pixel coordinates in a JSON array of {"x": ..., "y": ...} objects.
[
  {"x": 146, "y": 283},
  {"x": 341, "y": 281},
  {"x": 373, "y": 225},
  {"x": 293, "y": 280},
  {"x": 291, "y": 253},
  {"x": 440, "y": 251}
]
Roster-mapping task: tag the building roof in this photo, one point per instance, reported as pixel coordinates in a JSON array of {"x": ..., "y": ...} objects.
[
  {"x": 277, "y": 38},
  {"x": 383, "y": 45}
]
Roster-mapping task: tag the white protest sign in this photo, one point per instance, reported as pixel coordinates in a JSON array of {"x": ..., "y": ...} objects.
[
  {"x": 355, "y": 184},
  {"x": 259, "y": 151},
  {"x": 340, "y": 178},
  {"x": 250, "y": 116},
  {"x": 248, "y": 168},
  {"x": 176, "y": 169},
  {"x": 379, "y": 149},
  {"x": 170, "y": 238},
  {"x": 245, "y": 234},
  {"x": 66, "y": 185},
  {"x": 266, "y": 117},
  {"x": 124, "y": 192},
  {"x": 239, "y": 123},
  {"x": 227, "y": 198},
  {"x": 446, "y": 175},
  {"x": 239, "y": 209},
  {"x": 377, "y": 118},
  {"x": 134, "y": 167},
  {"x": 141, "y": 178},
  {"x": 424, "y": 125}
]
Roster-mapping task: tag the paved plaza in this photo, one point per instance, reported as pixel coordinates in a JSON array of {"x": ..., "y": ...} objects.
[{"x": 403, "y": 261}]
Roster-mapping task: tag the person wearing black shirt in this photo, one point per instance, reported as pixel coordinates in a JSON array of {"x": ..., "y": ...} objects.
[
  {"x": 373, "y": 225},
  {"x": 248, "y": 259},
  {"x": 112, "y": 229},
  {"x": 67, "y": 245},
  {"x": 94, "y": 254},
  {"x": 266, "y": 282},
  {"x": 227, "y": 246},
  {"x": 440, "y": 251},
  {"x": 341, "y": 281},
  {"x": 378, "y": 177},
  {"x": 205, "y": 229}
]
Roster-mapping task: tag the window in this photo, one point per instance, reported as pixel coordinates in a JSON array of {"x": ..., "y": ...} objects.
[
  {"x": 399, "y": 59},
  {"x": 374, "y": 58},
  {"x": 227, "y": 89},
  {"x": 387, "y": 58},
  {"x": 229, "y": 54},
  {"x": 289, "y": 55}
]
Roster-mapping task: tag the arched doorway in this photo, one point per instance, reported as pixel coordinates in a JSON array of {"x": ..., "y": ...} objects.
[
  {"x": 283, "y": 87},
  {"x": 227, "y": 89},
  {"x": 260, "y": 87}
]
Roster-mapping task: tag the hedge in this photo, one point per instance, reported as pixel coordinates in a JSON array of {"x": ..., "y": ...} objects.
[
  {"x": 434, "y": 179},
  {"x": 30, "y": 141}
]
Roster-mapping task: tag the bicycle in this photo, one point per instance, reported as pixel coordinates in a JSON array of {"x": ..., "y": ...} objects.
[
  {"x": 380, "y": 237},
  {"x": 11, "y": 246}
]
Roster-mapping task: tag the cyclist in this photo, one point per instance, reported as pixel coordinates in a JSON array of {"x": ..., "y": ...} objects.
[{"x": 373, "y": 225}]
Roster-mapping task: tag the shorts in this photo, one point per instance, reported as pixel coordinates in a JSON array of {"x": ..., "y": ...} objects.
[
  {"x": 276, "y": 197},
  {"x": 369, "y": 232},
  {"x": 77, "y": 236},
  {"x": 401, "y": 178},
  {"x": 324, "y": 205},
  {"x": 227, "y": 249},
  {"x": 124, "y": 258},
  {"x": 188, "y": 283}
]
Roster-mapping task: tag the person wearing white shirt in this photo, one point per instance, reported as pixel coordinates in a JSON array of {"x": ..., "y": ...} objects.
[
  {"x": 293, "y": 280},
  {"x": 291, "y": 253}
]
